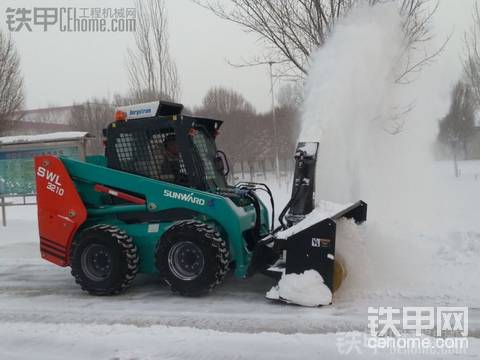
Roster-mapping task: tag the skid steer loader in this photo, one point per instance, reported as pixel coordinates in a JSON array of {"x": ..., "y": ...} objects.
[{"x": 158, "y": 202}]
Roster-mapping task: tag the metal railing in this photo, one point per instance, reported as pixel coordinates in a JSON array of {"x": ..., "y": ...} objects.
[{"x": 9, "y": 200}]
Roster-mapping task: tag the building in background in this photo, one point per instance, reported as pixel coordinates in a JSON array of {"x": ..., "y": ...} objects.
[{"x": 40, "y": 121}]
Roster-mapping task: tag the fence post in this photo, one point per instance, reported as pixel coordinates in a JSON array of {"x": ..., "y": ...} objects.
[{"x": 4, "y": 211}]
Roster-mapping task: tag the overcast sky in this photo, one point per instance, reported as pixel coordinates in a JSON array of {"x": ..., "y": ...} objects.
[{"x": 61, "y": 68}]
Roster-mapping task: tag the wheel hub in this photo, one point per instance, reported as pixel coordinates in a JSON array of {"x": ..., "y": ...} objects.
[
  {"x": 96, "y": 262},
  {"x": 186, "y": 260}
]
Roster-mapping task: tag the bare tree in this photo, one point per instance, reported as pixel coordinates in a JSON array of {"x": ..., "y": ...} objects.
[
  {"x": 457, "y": 128},
  {"x": 416, "y": 54},
  {"x": 11, "y": 82},
  {"x": 293, "y": 29},
  {"x": 92, "y": 116},
  {"x": 290, "y": 96},
  {"x": 222, "y": 101},
  {"x": 139, "y": 96},
  {"x": 472, "y": 62},
  {"x": 246, "y": 136},
  {"x": 152, "y": 72},
  {"x": 239, "y": 118}
]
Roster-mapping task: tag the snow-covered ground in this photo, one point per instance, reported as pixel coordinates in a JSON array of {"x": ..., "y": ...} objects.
[
  {"x": 43, "y": 312},
  {"x": 128, "y": 342}
]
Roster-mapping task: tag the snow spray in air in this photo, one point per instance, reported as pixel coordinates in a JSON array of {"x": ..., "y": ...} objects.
[{"x": 376, "y": 140}]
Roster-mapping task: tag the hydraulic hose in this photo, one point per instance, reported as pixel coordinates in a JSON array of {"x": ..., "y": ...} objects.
[
  {"x": 264, "y": 187},
  {"x": 256, "y": 204}
]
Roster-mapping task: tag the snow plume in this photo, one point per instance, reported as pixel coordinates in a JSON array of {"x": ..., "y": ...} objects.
[{"x": 376, "y": 140}]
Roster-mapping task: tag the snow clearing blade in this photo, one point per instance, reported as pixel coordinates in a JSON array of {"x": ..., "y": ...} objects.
[{"x": 307, "y": 235}]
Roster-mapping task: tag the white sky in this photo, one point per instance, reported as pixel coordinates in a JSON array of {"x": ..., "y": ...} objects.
[{"x": 61, "y": 68}]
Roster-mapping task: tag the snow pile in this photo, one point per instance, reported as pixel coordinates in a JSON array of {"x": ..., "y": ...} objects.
[
  {"x": 307, "y": 289},
  {"x": 373, "y": 149}
]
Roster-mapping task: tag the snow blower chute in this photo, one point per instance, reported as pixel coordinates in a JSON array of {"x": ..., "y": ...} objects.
[{"x": 158, "y": 202}]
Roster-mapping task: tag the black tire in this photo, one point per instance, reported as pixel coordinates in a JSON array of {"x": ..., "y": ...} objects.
[
  {"x": 104, "y": 260},
  {"x": 192, "y": 258}
]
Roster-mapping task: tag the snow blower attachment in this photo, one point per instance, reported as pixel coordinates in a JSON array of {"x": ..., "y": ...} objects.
[
  {"x": 158, "y": 202},
  {"x": 307, "y": 234}
]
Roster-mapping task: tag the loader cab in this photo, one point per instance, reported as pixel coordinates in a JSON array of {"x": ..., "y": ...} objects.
[{"x": 157, "y": 141}]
